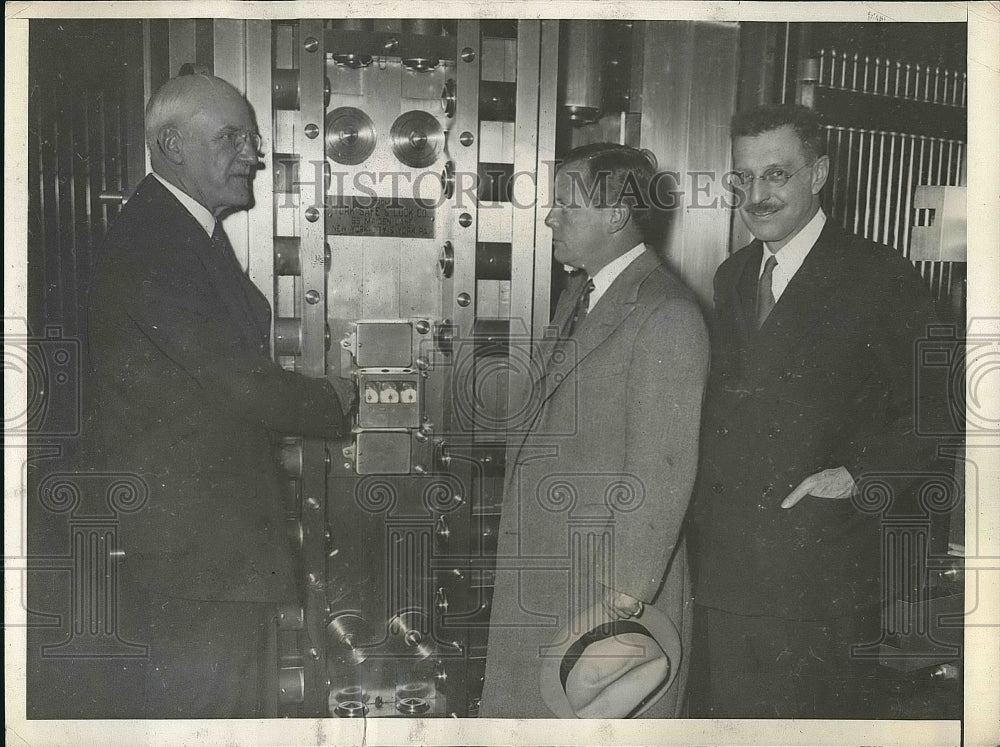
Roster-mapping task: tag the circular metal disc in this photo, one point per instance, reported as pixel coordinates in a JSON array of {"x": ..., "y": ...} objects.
[
  {"x": 417, "y": 138},
  {"x": 412, "y": 705},
  {"x": 351, "y": 709},
  {"x": 350, "y": 135}
]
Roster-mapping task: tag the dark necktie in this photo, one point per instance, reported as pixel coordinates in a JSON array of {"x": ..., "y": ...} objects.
[
  {"x": 765, "y": 295},
  {"x": 220, "y": 241},
  {"x": 581, "y": 308}
]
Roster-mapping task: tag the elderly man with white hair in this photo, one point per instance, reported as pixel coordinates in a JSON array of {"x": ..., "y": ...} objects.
[{"x": 183, "y": 394}]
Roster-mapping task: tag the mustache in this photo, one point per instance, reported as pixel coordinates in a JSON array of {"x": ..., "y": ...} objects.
[{"x": 764, "y": 206}]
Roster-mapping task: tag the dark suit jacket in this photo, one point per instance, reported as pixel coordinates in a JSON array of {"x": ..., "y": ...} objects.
[
  {"x": 829, "y": 380},
  {"x": 612, "y": 452},
  {"x": 183, "y": 393}
]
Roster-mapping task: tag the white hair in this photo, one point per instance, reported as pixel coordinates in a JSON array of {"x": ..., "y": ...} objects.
[{"x": 177, "y": 101}]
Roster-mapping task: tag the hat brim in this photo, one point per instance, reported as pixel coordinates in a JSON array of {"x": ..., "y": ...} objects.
[{"x": 657, "y": 625}]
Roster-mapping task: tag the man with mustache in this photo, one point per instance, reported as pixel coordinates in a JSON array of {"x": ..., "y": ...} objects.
[
  {"x": 813, "y": 387},
  {"x": 184, "y": 395}
]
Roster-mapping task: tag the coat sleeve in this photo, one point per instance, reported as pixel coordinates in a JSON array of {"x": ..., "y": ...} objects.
[
  {"x": 178, "y": 312},
  {"x": 666, "y": 383}
]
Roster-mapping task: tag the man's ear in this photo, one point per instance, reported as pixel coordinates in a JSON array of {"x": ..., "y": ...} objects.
[
  {"x": 820, "y": 172},
  {"x": 171, "y": 143},
  {"x": 619, "y": 217}
]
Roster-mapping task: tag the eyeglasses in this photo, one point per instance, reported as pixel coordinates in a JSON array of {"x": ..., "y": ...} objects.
[
  {"x": 771, "y": 177},
  {"x": 238, "y": 139}
]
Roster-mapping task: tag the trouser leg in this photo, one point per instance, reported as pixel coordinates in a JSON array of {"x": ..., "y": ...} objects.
[
  {"x": 757, "y": 667},
  {"x": 207, "y": 660}
]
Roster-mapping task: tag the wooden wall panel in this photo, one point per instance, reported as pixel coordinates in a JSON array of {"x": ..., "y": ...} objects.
[{"x": 688, "y": 96}]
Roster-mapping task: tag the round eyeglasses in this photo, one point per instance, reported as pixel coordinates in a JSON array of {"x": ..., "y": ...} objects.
[
  {"x": 238, "y": 139},
  {"x": 771, "y": 177}
]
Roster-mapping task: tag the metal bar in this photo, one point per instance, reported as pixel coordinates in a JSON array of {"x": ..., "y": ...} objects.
[
  {"x": 784, "y": 66},
  {"x": 822, "y": 60},
  {"x": 938, "y": 179},
  {"x": 463, "y": 231},
  {"x": 897, "y": 232},
  {"x": 103, "y": 158},
  {"x": 895, "y": 90},
  {"x": 68, "y": 215},
  {"x": 79, "y": 214},
  {"x": 868, "y": 184},
  {"x": 889, "y": 183},
  {"x": 843, "y": 70},
  {"x": 857, "y": 186},
  {"x": 911, "y": 180},
  {"x": 316, "y": 509},
  {"x": 854, "y": 73},
  {"x": 906, "y": 83},
  {"x": 312, "y": 199},
  {"x": 36, "y": 176},
  {"x": 878, "y": 213},
  {"x": 864, "y": 77}
]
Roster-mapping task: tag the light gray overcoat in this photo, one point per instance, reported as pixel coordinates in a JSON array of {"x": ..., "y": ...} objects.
[{"x": 597, "y": 487}]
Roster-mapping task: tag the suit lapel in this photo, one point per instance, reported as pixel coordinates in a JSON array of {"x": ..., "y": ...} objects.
[
  {"x": 222, "y": 272},
  {"x": 563, "y": 356},
  {"x": 608, "y": 314},
  {"x": 746, "y": 292},
  {"x": 253, "y": 311}
]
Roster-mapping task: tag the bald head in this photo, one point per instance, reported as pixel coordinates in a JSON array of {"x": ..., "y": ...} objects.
[{"x": 202, "y": 138}]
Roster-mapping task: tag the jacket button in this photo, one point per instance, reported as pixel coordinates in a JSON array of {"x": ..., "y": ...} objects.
[
  {"x": 718, "y": 487},
  {"x": 722, "y": 430}
]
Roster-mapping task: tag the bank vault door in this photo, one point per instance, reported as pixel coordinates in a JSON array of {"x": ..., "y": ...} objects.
[{"x": 406, "y": 257}]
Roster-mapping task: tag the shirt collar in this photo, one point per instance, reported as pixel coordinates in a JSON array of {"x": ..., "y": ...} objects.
[
  {"x": 198, "y": 211},
  {"x": 607, "y": 274},
  {"x": 793, "y": 254}
]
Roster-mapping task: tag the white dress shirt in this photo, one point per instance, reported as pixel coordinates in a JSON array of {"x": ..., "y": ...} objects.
[
  {"x": 607, "y": 274},
  {"x": 198, "y": 211},
  {"x": 791, "y": 256}
]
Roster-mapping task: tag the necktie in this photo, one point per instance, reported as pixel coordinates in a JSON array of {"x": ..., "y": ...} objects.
[
  {"x": 220, "y": 241},
  {"x": 765, "y": 296},
  {"x": 581, "y": 308}
]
